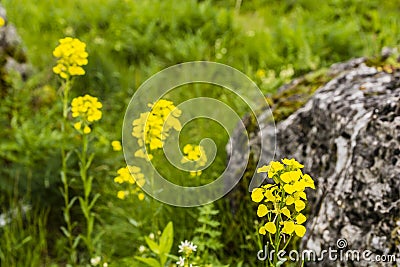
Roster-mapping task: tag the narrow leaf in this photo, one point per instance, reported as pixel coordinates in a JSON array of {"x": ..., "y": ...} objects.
[{"x": 149, "y": 261}]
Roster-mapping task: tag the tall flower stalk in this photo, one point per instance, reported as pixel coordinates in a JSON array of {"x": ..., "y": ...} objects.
[
  {"x": 281, "y": 204},
  {"x": 68, "y": 203},
  {"x": 86, "y": 110},
  {"x": 71, "y": 56}
]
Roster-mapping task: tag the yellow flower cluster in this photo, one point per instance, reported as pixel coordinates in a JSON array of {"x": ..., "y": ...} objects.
[
  {"x": 2, "y": 22},
  {"x": 132, "y": 176},
  {"x": 283, "y": 201},
  {"x": 116, "y": 145},
  {"x": 194, "y": 154},
  {"x": 152, "y": 128},
  {"x": 87, "y": 109},
  {"x": 71, "y": 56}
]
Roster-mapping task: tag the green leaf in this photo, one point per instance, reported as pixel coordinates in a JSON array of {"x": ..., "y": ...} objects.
[
  {"x": 94, "y": 201},
  {"x": 133, "y": 222},
  {"x": 76, "y": 242},
  {"x": 279, "y": 263},
  {"x": 23, "y": 242},
  {"x": 89, "y": 162},
  {"x": 84, "y": 207},
  {"x": 71, "y": 203},
  {"x": 65, "y": 231},
  {"x": 149, "y": 261},
  {"x": 152, "y": 245},
  {"x": 166, "y": 240}
]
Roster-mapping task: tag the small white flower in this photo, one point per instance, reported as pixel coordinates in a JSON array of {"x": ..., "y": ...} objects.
[
  {"x": 95, "y": 261},
  {"x": 187, "y": 247},
  {"x": 105, "y": 264},
  {"x": 151, "y": 236},
  {"x": 142, "y": 249},
  {"x": 181, "y": 262}
]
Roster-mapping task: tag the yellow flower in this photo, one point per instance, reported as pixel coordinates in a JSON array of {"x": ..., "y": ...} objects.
[
  {"x": 300, "y": 218},
  {"x": 132, "y": 176},
  {"x": 262, "y": 230},
  {"x": 291, "y": 176},
  {"x": 285, "y": 211},
  {"x": 141, "y": 154},
  {"x": 292, "y": 163},
  {"x": 257, "y": 195},
  {"x": 121, "y": 194},
  {"x": 264, "y": 168},
  {"x": 196, "y": 155},
  {"x": 299, "y": 205},
  {"x": 272, "y": 168},
  {"x": 195, "y": 173},
  {"x": 71, "y": 56},
  {"x": 287, "y": 189},
  {"x": 269, "y": 194},
  {"x": 141, "y": 196},
  {"x": 116, "y": 145},
  {"x": 309, "y": 182},
  {"x": 262, "y": 210},
  {"x": 87, "y": 110},
  {"x": 87, "y": 130},
  {"x": 276, "y": 166},
  {"x": 270, "y": 227},
  {"x": 294, "y": 181},
  {"x": 260, "y": 73},
  {"x": 152, "y": 128},
  {"x": 78, "y": 125},
  {"x": 2, "y": 22},
  {"x": 290, "y": 227},
  {"x": 295, "y": 197}
]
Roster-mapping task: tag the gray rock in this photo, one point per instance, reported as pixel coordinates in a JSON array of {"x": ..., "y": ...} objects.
[
  {"x": 348, "y": 137},
  {"x": 12, "y": 54}
]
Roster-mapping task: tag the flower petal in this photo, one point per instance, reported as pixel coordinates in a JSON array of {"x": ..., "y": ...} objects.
[
  {"x": 264, "y": 168},
  {"x": 300, "y": 230},
  {"x": 262, "y": 210},
  {"x": 300, "y": 218},
  {"x": 262, "y": 230},
  {"x": 299, "y": 205},
  {"x": 288, "y": 227},
  {"x": 270, "y": 227},
  {"x": 285, "y": 211},
  {"x": 257, "y": 195}
]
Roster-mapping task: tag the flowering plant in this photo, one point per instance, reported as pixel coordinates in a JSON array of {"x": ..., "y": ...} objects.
[{"x": 282, "y": 202}]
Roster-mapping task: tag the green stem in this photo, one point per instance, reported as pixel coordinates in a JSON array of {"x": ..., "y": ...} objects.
[
  {"x": 64, "y": 168},
  {"x": 287, "y": 243},
  {"x": 85, "y": 202},
  {"x": 277, "y": 240},
  {"x": 154, "y": 206}
]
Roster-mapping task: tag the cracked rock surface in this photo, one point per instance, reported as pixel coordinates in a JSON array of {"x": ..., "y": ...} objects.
[{"x": 348, "y": 137}]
